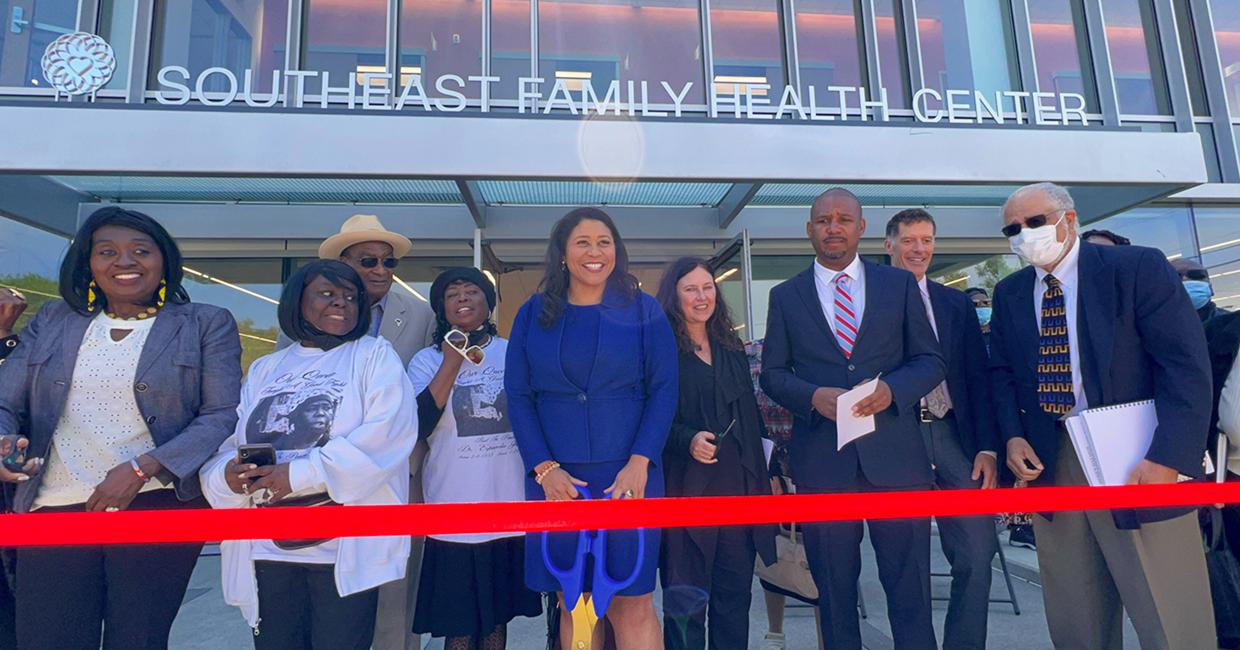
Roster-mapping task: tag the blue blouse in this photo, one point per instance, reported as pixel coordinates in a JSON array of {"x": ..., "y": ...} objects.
[{"x": 580, "y": 342}]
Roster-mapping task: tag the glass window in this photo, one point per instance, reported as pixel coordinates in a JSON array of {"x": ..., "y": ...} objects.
[
  {"x": 1218, "y": 230},
  {"x": 747, "y": 46},
  {"x": 964, "y": 271},
  {"x": 1061, "y": 49},
  {"x": 238, "y": 35},
  {"x": 828, "y": 46},
  {"x": 250, "y": 289},
  {"x": 26, "y": 29},
  {"x": 1209, "y": 150},
  {"x": 967, "y": 46},
  {"x": 510, "y": 45},
  {"x": 440, "y": 37},
  {"x": 343, "y": 36},
  {"x": 1192, "y": 59},
  {"x": 609, "y": 40},
  {"x": 116, "y": 18},
  {"x": 1226, "y": 14},
  {"x": 30, "y": 262},
  {"x": 1168, "y": 229},
  {"x": 1136, "y": 58},
  {"x": 892, "y": 57}
]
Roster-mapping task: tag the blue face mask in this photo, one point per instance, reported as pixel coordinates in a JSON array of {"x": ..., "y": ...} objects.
[
  {"x": 983, "y": 315},
  {"x": 1199, "y": 292}
]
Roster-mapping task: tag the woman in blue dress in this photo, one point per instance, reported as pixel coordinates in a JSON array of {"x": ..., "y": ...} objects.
[{"x": 592, "y": 388}]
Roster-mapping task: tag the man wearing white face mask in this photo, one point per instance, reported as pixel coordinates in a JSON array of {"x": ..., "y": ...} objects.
[{"x": 1089, "y": 326}]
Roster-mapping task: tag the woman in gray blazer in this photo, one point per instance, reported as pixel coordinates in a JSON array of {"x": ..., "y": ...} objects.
[{"x": 116, "y": 396}]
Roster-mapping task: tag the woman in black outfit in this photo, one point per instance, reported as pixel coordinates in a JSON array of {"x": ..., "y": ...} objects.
[{"x": 715, "y": 449}]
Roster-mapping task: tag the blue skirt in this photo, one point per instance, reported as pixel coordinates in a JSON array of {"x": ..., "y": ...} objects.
[{"x": 621, "y": 544}]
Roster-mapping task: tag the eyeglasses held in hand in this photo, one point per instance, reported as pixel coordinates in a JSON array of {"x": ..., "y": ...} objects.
[
  {"x": 458, "y": 340},
  {"x": 372, "y": 262}
]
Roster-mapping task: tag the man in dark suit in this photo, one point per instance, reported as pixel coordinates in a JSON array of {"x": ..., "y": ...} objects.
[
  {"x": 835, "y": 325},
  {"x": 957, "y": 426},
  {"x": 1131, "y": 335}
]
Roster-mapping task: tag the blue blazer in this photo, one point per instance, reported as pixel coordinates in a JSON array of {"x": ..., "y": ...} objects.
[
  {"x": 968, "y": 379},
  {"x": 801, "y": 354},
  {"x": 1139, "y": 338},
  {"x": 627, "y": 407},
  {"x": 187, "y": 386}
]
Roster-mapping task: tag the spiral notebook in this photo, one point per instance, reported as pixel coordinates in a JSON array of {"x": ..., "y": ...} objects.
[{"x": 1111, "y": 440}]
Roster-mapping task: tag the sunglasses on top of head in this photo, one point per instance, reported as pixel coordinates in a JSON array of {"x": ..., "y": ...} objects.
[
  {"x": 372, "y": 262},
  {"x": 1036, "y": 221}
]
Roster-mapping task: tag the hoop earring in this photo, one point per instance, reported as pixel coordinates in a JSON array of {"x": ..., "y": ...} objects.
[
  {"x": 162, "y": 295},
  {"x": 91, "y": 297}
]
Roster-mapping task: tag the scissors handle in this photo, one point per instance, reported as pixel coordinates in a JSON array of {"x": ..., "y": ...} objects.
[
  {"x": 605, "y": 587},
  {"x": 573, "y": 578}
]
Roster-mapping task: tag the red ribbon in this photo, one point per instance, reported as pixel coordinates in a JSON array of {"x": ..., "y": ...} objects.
[{"x": 130, "y": 527}]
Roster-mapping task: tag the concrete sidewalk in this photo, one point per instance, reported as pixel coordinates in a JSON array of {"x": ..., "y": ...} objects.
[{"x": 205, "y": 622}]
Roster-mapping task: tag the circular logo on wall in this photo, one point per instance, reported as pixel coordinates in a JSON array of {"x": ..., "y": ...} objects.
[{"x": 78, "y": 63}]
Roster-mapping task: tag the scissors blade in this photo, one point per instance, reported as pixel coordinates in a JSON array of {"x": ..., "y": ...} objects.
[{"x": 584, "y": 621}]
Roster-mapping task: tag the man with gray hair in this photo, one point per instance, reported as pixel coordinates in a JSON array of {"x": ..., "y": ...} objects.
[{"x": 1089, "y": 326}]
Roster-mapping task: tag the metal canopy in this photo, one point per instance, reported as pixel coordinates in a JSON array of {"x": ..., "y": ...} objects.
[{"x": 275, "y": 181}]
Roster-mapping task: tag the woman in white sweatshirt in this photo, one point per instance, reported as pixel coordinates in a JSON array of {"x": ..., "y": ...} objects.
[{"x": 341, "y": 415}]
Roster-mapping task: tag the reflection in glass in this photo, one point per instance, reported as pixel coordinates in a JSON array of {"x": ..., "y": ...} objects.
[
  {"x": 1226, "y": 14},
  {"x": 610, "y": 41},
  {"x": 1061, "y": 49},
  {"x": 30, "y": 262},
  {"x": 344, "y": 36},
  {"x": 236, "y": 35},
  {"x": 510, "y": 45},
  {"x": 116, "y": 18},
  {"x": 967, "y": 46},
  {"x": 1136, "y": 58},
  {"x": 1167, "y": 228},
  {"x": 892, "y": 58},
  {"x": 828, "y": 46},
  {"x": 439, "y": 37},
  {"x": 961, "y": 272},
  {"x": 745, "y": 37},
  {"x": 249, "y": 289},
  {"x": 27, "y": 28}
]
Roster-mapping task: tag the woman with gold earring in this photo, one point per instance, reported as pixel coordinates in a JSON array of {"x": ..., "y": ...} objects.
[{"x": 115, "y": 398}]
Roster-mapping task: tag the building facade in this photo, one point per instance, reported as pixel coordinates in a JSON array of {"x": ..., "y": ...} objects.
[{"x": 252, "y": 128}]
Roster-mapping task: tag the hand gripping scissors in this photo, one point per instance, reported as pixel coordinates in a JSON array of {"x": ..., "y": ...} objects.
[{"x": 587, "y": 609}]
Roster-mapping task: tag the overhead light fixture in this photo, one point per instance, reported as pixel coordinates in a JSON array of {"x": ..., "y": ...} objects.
[
  {"x": 410, "y": 289},
  {"x": 490, "y": 276},
  {"x": 1219, "y": 245},
  {"x": 726, "y": 274},
  {"x": 210, "y": 278},
  {"x": 724, "y": 84},
  {"x": 256, "y": 338},
  {"x": 573, "y": 78},
  {"x": 956, "y": 281}
]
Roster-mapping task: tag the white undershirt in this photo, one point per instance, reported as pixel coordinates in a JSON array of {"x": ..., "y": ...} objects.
[{"x": 101, "y": 426}]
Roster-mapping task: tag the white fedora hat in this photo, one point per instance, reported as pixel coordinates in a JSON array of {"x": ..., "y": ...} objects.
[{"x": 362, "y": 228}]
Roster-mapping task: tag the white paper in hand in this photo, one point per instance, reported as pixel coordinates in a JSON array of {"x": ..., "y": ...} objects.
[{"x": 849, "y": 427}]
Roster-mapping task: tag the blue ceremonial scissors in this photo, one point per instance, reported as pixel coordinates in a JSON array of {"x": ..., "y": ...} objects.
[{"x": 587, "y": 609}]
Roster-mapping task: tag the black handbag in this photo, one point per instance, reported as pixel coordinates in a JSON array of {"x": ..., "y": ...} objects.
[
  {"x": 1224, "y": 572},
  {"x": 309, "y": 500}
]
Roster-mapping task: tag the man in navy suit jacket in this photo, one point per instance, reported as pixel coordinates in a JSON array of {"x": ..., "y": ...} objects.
[
  {"x": 835, "y": 325},
  {"x": 958, "y": 427},
  {"x": 1132, "y": 335}
]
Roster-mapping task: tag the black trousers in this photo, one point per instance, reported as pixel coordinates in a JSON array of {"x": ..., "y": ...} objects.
[
  {"x": 691, "y": 589},
  {"x": 125, "y": 596},
  {"x": 968, "y": 542},
  {"x": 299, "y": 608},
  {"x": 902, "y": 549}
]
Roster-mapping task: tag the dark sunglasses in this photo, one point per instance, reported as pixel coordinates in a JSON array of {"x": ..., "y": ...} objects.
[
  {"x": 1036, "y": 221},
  {"x": 372, "y": 262}
]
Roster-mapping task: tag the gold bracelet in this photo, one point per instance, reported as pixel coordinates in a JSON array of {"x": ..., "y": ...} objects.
[{"x": 539, "y": 476}]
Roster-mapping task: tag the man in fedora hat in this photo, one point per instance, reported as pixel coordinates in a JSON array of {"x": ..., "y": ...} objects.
[{"x": 408, "y": 324}]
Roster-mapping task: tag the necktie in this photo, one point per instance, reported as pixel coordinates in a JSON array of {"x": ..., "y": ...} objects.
[
  {"x": 1054, "y": 360},
  {"x": 376, "y": 319},
  {"x": 937, "y": 401},
  {"x": 845, "y": 325}
]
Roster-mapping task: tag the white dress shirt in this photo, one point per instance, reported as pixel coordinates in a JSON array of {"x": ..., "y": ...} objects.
[
  {"x": 824, "y": 282},
  {"x": 1069, "y": 282},
  {"x": 924, "y": 289}
]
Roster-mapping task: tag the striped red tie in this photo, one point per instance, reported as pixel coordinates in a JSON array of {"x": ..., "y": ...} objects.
[{"x": 845, "y": 325}]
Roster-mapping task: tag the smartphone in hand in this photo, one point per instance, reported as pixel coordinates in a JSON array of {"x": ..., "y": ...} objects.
[{"x": 258, "y": 455}]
